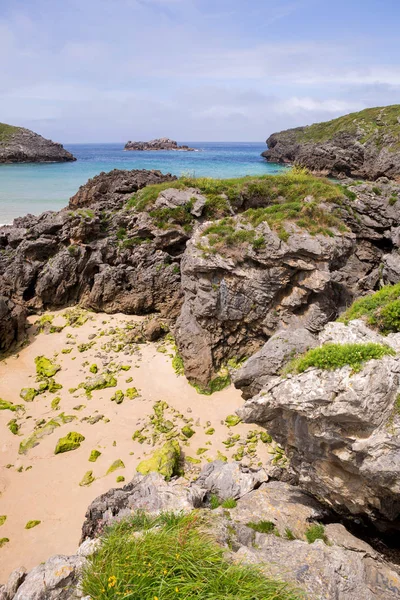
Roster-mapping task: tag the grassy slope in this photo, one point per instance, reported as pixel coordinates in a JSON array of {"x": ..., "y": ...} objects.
[
  {"x": 6, "y": 131},
  {"x": 373, "y": 122}
]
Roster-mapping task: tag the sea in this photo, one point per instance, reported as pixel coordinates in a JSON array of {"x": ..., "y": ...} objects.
[{"x": 35, "y": 188}]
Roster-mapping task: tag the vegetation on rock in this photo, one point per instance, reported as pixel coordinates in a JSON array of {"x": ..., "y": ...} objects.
[
  {"x": 174, "y": 558},
  {"x": 71, "y": 441},
  {"x": 117, "y": 464},
  {"x": 32, "y": 524},
  {"x": 380, "y": 310},
  {"x": 336, "y": 356},
  {"x": 316, "y": 532},
  {"x": 165, "y": 461}
]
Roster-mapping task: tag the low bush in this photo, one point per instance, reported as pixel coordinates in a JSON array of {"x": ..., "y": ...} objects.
[
  {"x": 173, "y": 558},
  {"x": 335, "y": 356},
  {"x": 380, "y": 310}
]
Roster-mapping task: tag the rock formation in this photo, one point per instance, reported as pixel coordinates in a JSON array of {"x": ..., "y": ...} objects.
[
  {"x": 20, "y": 145},
  {"x": 360, "y": 145},
  {"x": 158, "y": 144},
  {"x": 340, "y": 568}
]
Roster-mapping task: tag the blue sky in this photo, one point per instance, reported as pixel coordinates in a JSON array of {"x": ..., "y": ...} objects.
[{"x": 201, "y": 70}]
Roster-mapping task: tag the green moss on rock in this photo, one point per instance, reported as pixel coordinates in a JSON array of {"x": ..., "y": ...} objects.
[
  {"x": 5, "y": 405},
  {"x": 93, "y": 368},
  {"x": 32, "y": 524},
  {"x": 132, "y": 393},
  {"x": 55, "y": 403},
  {"x": 71, "y": 441},
  {"x": 117, "y": 464},
  {"x": 3, "y": 519},
  {"x": 187, "y": 431},
  {"x": 118, "y": 397},
  {"x": 45, "y": 367},
  {"x": 87, "y": 479},
  {"x": 13, "y": 426},
  {"x": 28, "y": 394},
  {"x": 120, "y": 479},
  {"x": 3, "y": 541},
  {"x": 232, "y": 420},
  {"x": 164, "y": 461},
  {"x": 94, "y": 455},
  {"x": 47, "y": 429},
  {"x": 100, "y": 382}
]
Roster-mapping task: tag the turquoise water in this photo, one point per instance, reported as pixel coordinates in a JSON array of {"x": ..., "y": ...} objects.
[{"x": 34, "y": 188}]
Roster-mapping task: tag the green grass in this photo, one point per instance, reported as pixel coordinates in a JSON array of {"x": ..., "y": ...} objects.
[
  {"x": 229, "y": 503},
  {"x": 6, "y": 131},
  {"x": 316, "y": 532},
  {"x": 263, "y": 526},
  {"x": 215, "y": 502},
  {"x": 335, "y": 356},
  {"x": 175, "y": 560},
  {"x": 374, "y": 123},
  {"x": 380, "y": 310}
]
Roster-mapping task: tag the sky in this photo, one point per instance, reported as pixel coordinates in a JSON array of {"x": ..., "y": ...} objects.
[{"x": 193, "y": 70}]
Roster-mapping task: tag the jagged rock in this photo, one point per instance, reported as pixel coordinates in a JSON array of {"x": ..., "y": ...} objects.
[
  {"x": 114, "y": 185},
  {"x": 157, "y": 144},
  {"x": 230, "y": 480},
  {"x": 267, "y": 362},
  {"x": 154, "y": 329},
  {"x": 18, "y": 144},
  {"x": 234, "y": 302},
  {"x": 363, "y": 145},
  {"x": 56, "y": 579},
  {"x": 145, "y": 492},
  {"x": 340, "y": 431},
  {"x": 284, "y": 505}
]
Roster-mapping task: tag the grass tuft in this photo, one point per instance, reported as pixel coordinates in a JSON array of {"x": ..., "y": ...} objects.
[
  {"x": 380, "y": 310},
  {"x": 173, "y": 558},
  {"x": 316, "y": 532}
]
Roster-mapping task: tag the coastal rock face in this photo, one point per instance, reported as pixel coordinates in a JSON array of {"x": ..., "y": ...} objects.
[
  {"x": 20, "y": 145},
  {"x": 359, "y": 145},
  {"x": 340, "y": 430},
  {"x": 158, "y": 144},
  {"x": 344, "y": 568}
]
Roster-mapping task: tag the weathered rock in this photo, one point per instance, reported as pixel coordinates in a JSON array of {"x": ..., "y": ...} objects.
[
  {"x": 230, "y": 480},
  {"x": 340, "y": 431},
  {"x": 18, "y": 144},
  {"x": 154, "y": 329},
  {"x": 56, "y": 579},
  {"x": 360, "y": 145},
  {"x": 158, "y": 144},
  {"x": 164, "y": 461},
  {"x": 267, "y": 362}
]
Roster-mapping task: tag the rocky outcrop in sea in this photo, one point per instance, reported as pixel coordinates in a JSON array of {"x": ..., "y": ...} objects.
[
  {"x": 364, "y": 145},
  {"x": 157, "y": 144},
  {"x": 20, "y": 145}
]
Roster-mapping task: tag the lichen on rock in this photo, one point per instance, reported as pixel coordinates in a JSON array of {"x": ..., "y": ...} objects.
[
  {"x": 71, "y": 441},
  {"x": 165, "y": 461}
]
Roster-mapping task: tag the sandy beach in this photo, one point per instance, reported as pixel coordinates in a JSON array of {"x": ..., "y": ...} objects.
[{"x": 43, "y": 486}]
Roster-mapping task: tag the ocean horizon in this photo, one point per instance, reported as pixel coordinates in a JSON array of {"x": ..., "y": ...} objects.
[{"x": 35, "y": 188}]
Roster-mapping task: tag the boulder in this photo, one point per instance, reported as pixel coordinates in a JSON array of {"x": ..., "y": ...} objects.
[
  {"x": 20, "y": 145},
  {"x": 230, "y": 480}
]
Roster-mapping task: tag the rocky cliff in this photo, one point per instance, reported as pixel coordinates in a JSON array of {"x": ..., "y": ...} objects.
[
  {"x": 158, "y": 144},
  {"x": 362, "y": 145},
  {"x": 20, "y": 145}
]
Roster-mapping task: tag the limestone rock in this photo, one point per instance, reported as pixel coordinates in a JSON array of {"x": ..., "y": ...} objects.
[
  {"x": 56, "y": 579},
  {"x": 230, "y": 480},
  {"x": 165, "y": 461},
  {"x": 157, "y": 144},
  {"x": 267, "y": 362},
  {"x": 20, "y": 145}
]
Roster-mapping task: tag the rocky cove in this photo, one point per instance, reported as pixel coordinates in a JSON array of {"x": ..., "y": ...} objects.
[{"x": 238, "y": 280}]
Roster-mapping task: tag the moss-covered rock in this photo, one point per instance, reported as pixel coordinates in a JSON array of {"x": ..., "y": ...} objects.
[
  {"x": 117, "y": 464},
  {"x": 47, "y": 429},
  {"x": 55, "y": 403},
  {"x": 210, "y": 431},
  {"x": 28, "y": 394},
  {"x": 93, "y": 368},
  {"x": 164, "y": 461},
  {"x": 45, "y": 367},
  {"x": 3, "y": 519},
  {"x": 13, "y": 426},
  {"x": 118, "y": 397},
  {"x": 193, "y": 461},
  {"x": 3, "y": 541},
  {"x": 5, "y": 405},
  {"x": 187, "y": 431},
  {"x": 87, "y": 479},
  {"x": 132, "y": 393},
  {"x": 32, "y": 524},
  {"x": 94, "y": 455},
  {"x": 120, "y": 479},
  {"x": 100, "y": 382},
  {"x": 71, "y": 441},
  {"x": 232, "y": 420}
]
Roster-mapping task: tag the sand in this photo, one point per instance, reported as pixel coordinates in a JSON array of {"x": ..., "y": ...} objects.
[{"x": 45, "y": 487}]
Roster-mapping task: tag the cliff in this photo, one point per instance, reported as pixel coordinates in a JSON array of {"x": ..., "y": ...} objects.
[
  {"x": 158, "y": 144},
  {"x": 362, "y": 145},
  {"x": 20, "y": 145}
]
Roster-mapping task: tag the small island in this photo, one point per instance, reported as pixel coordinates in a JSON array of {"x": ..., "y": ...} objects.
[
  {"x": 20, "y": 145},
  {"x": 158, "y": 144}
]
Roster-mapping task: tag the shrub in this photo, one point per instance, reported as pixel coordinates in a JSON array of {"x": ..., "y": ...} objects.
[
  {"x": 214, "y": 502},
  {"x": 335, "y": 356},
  {"x": 316, "y": 532},
  {"x": 380, "y": 310},
  {"x": 229, "y": 503},
  {"x": 175, "y": 560}
]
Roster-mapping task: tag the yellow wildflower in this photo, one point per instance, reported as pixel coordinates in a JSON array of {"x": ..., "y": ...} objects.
[{"x": 177, "y": 590}]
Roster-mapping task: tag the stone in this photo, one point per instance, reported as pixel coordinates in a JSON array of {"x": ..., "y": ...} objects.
[
  {"x": 154, "y": 330},
  {"x": 230, "y": 480},
  {"x": 20, "y": 145},
  {"x": 165, "y": 461},
  {"x": 157, "y": 144},
  {"x": 268, "y": 362},
  {"x": 56, "y": 579}
]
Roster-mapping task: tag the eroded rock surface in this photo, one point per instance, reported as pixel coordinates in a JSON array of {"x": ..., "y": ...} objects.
[
  {"x": 20, "y": 145},
  {"x": 157, "y": 144}
]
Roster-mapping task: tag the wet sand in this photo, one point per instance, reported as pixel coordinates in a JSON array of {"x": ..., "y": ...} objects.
[{"x": 43, "y": 486}]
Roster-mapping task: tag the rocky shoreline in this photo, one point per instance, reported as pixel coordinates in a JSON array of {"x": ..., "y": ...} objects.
[
  {"x": 363, "y": 145},
  {"x": 259, "y": 267},
  {"x": 20, "y": 145},
  {"x": 157, "y": 144}
]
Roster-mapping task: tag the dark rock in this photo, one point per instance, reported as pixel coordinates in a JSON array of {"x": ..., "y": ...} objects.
[
  {"x": 158, "y": 144},
  {"x": 360, "y": 145},
  {"x": 19, "y": 145},
  {"x": 154, "y": 330}
]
